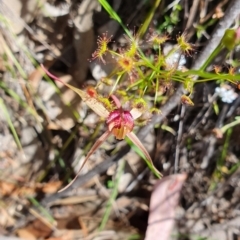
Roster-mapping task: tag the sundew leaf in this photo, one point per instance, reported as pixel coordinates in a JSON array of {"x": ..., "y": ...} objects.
[{"x": 92, "y": 102}]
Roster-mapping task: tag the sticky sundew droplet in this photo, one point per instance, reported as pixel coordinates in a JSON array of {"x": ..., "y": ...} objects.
[
  {"x": 139, "y": 103},
  {"x": 185, "y": 46},
  {"x": 126, "y": 63},
  {"x": 157, "y": 39}
]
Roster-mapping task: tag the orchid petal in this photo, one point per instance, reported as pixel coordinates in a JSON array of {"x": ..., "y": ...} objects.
[
  {"x": 120, "y": 123},
  {"x": 136, "y": 113},
  {"x": 92, "y": 102},
  {"x": 116, "y": 101},
  {"x": 138, "y": 143},
  {"x": 96, "y": 145}
]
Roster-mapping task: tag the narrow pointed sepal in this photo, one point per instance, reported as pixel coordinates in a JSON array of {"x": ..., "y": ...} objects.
[
  {"x": 97, "y": 144},
  {"x": 90, "y": 100},
  {"x": 138, "y": 143}
]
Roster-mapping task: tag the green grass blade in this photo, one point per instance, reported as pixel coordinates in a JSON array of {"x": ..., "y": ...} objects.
[
  {"x": 41, "y": 209},
  {"x": 114, "y": 15},
  {"x": 10, "y": 54},
  {"x": 18, "y": 99},
  {"x": 148, "y": 19},
  {"x": 112, "y": 197},
  {"x": 10, "y": 124}
]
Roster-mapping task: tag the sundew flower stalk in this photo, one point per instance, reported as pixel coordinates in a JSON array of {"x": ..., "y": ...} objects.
[{"x": 119, "y": 122}]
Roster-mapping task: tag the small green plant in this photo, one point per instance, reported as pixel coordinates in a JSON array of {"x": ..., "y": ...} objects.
[
  {"x": 170, "y": 21},
  {"x": 221, "y": 168}
]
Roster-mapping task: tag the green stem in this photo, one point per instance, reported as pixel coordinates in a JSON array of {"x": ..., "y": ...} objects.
[
  {"x": 148, "y": 20},
  {"x": 212, "y": 57},
  {"x": 114, "y": 16},
  {"x": 230, "y": 125}
]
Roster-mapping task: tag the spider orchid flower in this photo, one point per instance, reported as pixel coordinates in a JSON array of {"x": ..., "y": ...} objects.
[{"x": 119, "y": 122}]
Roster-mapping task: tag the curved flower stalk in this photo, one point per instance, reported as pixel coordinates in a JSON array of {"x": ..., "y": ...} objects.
[{"x": 120, "y": 123}]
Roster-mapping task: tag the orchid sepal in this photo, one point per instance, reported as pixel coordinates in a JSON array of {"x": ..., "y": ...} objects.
[
  {"x": 96, "y": 145},
  {"x": 138, "y": 143},
  {"x": 92, "y": 102}
]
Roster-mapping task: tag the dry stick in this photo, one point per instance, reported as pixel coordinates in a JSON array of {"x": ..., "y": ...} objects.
[
  {"x": 229, "y": 17},
  {"x": 233, "y": 107},
  {"x": 192, "y": 14},
  {"x": 179, "y": 138},
  {"x": 204, "y": 112},
  {"x": 9, "y": 14},
  {"x": 82, "y": 179},
  {"x": 211, "y": 140}
]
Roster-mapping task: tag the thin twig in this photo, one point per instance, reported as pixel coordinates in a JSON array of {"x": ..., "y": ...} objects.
[{"x": 179, "y": 138}]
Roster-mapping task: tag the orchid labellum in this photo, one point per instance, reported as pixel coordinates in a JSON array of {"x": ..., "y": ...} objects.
[{"x": 120, "y": 122}]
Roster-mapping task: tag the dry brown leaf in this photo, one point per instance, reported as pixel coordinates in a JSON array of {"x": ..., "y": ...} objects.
[
  {"x": 6, "y": 219},
  {"x": 11, "y": 189},
  {"x": 34, "y": 230},
  {"x": 83, "y": 227},
  {"x": 6, "y": 188},
  {"x": 163, "y": 202},
  {"x": 51, "y": 187},
  {"x": 24, "y": 233},
  {"x": 67, "y": 234}
]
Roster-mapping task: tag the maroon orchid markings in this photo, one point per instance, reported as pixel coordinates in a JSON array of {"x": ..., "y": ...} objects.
[{"x": 120, "y": 123}]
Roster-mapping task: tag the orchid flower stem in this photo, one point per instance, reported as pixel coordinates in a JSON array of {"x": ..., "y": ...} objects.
[
  {"x": 116, "y": 83},
  {"x": 156, "y": 92}
]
